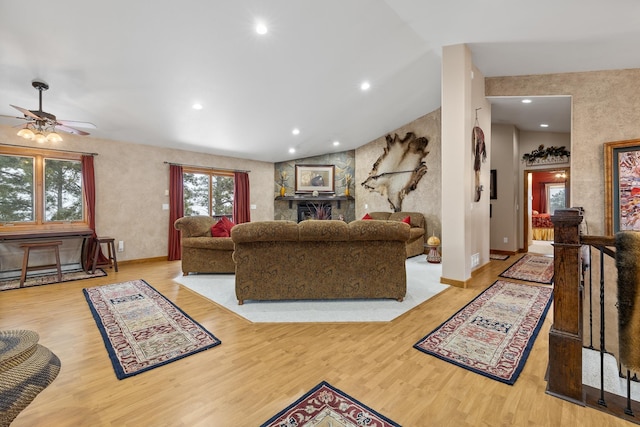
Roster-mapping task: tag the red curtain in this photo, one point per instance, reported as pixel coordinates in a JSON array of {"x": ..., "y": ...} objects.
[
  {"x": 241, "y": 202},
  {"x": 89, "y": 183},
  {"x": 176, "y": 210}
]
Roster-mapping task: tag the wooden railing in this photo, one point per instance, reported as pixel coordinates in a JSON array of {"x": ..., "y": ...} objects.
[{"x": 574, "y": 267}]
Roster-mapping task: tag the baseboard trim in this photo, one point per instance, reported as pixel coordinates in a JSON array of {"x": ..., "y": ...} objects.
[
  {"x": 453, "y": 282},
  {"x": 143, "y": 260}
]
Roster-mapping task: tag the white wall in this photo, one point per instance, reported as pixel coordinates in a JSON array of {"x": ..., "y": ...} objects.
[
  {"x": 465, "y": 223},
  {"x": 505, "y": 213}
]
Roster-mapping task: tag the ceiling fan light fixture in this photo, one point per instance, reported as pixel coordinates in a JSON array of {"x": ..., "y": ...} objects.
[
  {"x": 54, "y": 137},
  {"x": 39, "y": 138},
  {"x": 26, "y": 133}
]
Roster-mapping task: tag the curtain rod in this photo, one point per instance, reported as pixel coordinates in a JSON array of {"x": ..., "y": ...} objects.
[
  {"x": 49, "y": 149},
  {"x": 207, "y": 167}
]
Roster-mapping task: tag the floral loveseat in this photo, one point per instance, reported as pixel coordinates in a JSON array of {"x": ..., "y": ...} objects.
[
  {"x": 415, "y": 244},
  {"x": 314, "y": 259},
  {"x": 202, "y": 253}
]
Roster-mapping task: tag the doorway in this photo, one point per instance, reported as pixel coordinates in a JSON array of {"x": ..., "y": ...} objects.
[{"x": 546, "y": 190}]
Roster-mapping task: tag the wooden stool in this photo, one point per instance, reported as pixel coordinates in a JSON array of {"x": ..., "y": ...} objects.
[
  {"x": 111, "y": 250},
  {"x": 39, "y": 245}
]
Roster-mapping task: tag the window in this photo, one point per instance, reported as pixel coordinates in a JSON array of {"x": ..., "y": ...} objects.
[
  {"x": 208, "y": 192},
  {"x": 40, "y": 188},
  {"x": 555, "y": 197}
]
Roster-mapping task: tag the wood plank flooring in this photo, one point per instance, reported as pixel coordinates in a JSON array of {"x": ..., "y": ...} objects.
[{"x": 261, "y": 368}]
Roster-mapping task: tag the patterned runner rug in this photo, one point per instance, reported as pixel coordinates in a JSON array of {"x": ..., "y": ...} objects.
[
  {"x": 531, "y": 268},
  {"x": 142, "y": 329},
  {"x": 494, "y": 333},
  {"x": 48, "y": 279},
  {"x": 328, "y": 406}
]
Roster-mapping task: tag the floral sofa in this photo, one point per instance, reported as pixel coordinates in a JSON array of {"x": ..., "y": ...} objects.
[
  {"x": 314, "y": 259},
  {"x": 202, "y": 253},
  {"x": 417, "y": 233}
]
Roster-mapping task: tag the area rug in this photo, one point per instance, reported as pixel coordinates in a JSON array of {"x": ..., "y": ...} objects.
[
  {"x": 498, "y": 257},
  {"x": 423, "y": 282},
  {"x": 142, "y": 329},
  {"x": 326, "y": 406},
  {"x": 494, "y": 333},
  {"x": 531, "y": 268},
  {"x": 26, "y": 368},
  {"x": 48, "y": 279}
]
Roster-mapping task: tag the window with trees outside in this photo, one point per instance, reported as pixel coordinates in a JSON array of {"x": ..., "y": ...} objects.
[
  {"x": 208, "y": 192},
  {"x": 40, "y": 189},
  {"x": 556, "y": 197}
]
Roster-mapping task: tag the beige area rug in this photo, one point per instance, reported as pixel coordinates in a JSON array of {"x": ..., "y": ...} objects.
[
  {"x": 531, "y": 268},
  {"x": 423, "y": 282}
]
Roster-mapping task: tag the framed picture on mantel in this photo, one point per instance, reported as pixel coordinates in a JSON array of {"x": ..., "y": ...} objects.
[{"x": 310, "y": 178}]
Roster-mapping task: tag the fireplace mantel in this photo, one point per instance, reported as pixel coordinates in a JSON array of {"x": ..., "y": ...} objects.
[{"x": 310, "y": 198}]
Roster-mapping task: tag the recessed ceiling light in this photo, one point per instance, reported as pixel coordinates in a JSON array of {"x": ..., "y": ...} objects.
[
  {"x": 261, "y": 28},
  {"x": 544, "y": 125},
  {"x": 292, "y": 150},
  {"x": 526, "y": 101},
  {"x": 197, "y": 106},
  {"x": 365, "y": 85},
  {"x": 295, "y": 131},
  {"x": 336, "y": 143}
]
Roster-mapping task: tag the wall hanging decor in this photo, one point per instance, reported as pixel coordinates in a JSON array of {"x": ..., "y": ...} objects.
[
  {"x": 480, "y": 155},
  {"x": 399, "y": 169},
  {"x": 546, "y": 156}
]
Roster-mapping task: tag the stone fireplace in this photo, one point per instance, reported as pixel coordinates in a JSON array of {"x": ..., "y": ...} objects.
[{"x": 314, "y": 210}]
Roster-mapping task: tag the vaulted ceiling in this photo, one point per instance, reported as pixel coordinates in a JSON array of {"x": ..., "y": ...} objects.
[{"x": 136, "y": 68}]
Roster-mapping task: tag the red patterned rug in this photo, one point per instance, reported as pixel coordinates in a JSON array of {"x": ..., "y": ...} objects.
[
  {"x": 142, "y": 329},
  {"x": 494, "y": 333},
  {"x": 531, "y": 268},
  {"x": 328, "y": 406}
]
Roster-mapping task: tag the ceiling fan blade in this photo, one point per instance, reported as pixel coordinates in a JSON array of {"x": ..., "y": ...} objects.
[
  {"x": 71, "y": 130},
  {"x": 14, "y": 117},
  {"x": 87, "y": 125},
  {"x": 26, "y": 112}
]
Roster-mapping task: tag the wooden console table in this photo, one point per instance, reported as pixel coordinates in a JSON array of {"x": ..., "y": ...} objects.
[{"x": 43, "y": 235}]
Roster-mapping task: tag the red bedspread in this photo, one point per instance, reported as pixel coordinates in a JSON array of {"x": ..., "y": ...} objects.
[{"x": 541, "y": 221}]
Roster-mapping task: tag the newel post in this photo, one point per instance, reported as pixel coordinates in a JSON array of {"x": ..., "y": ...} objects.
[{"x": 565, "y": 336}]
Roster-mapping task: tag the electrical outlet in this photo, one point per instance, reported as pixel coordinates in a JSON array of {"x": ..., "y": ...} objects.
[
  {"x": 505, "y": 239},
  {"x": 475, "y": 260},
  {"x": 120, "y": 245}
]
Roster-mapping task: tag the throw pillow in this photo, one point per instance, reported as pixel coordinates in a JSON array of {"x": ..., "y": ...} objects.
[
  {"x": 367, "y": 216},
  {"x": 407, "y": 220},
  {"x": 219, "y": 230},
  {"x": 228, "y": 224}
]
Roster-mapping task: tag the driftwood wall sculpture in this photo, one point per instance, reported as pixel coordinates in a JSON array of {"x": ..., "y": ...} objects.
[{"x": 398, "y": 170}]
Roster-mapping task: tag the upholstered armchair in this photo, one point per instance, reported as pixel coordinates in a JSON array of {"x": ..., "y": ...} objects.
[{"x": 202, "y": 253}]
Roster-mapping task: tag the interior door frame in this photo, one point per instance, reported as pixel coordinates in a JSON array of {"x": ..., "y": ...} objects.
[{"x": 527, "y": 196}]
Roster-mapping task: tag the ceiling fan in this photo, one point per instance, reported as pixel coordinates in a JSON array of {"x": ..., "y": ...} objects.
[{"x": 39, "y": 122}]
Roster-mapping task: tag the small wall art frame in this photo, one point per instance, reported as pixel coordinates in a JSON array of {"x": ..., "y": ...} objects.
[
  {"x": 622, "y": 186},
  {"x": 310, "y": 178}
]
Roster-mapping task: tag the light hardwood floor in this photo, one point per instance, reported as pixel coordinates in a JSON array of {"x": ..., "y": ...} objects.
[{"x": 261, "y": 368}]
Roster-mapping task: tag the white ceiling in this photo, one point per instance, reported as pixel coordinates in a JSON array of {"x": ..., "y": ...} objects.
[{"x": 134, "y": 68}]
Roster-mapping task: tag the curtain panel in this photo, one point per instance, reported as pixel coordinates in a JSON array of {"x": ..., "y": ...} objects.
[
  {"x": 176, "y": 210},
  {"x": 241, "y": 202}
]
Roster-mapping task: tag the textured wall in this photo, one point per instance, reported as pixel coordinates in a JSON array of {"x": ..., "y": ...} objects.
[
  {"x": 605, "y": 108},
  {"x": 427, "y": 197},
  {"x": 131, "y": 180}
]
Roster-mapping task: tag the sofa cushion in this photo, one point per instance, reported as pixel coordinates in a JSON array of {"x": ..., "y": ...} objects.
[
  {"x": 417, "y": 219},
  {"x": 378, "y": 230},
  {"x": 265, "y": 231},
  {"x": 222, "y": 243},
  {"x": 322, "y": 230},
  {"x": 380, "y": 215}
]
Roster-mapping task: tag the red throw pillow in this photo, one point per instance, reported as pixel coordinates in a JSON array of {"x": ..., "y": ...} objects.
[
  {"x": 407, "y": 220},
  {"x": 219, "y": 229},
  {"x": 228, "y": 225},
  {"x": 367, "y": 216}
]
